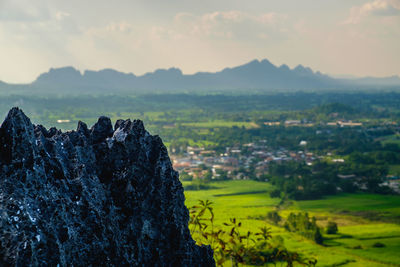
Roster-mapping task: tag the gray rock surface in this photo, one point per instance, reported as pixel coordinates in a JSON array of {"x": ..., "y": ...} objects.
[{"x": 92, "y": 197}]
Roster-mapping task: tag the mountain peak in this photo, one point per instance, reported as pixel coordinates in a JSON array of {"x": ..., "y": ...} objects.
[
  {"x": 63, "y": 74},
  {"x": 68, "y": 70},
  {"x": 164, "y": 73},
  {"x": 266, "y": 62},
  {"x": 300, "y": 69},
  {"x": 284, "y": 67},
  {"x": 172, "y": 70}
]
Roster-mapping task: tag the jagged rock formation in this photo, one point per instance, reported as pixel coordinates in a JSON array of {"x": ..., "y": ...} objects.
[{"x": 91, "y": 197}]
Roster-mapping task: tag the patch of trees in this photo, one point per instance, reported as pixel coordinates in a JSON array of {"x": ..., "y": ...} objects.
[
  {"x": 274, "y": 217},
  {"x": 276, "y": 193},
  {"x": 331, "y": 228},
  {"x": 305, "y": 226},
  {"x": 302, "y": 182}
]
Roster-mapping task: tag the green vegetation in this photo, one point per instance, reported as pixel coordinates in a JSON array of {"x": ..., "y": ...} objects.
[
  {"x": 305, "y": 226},
  {"x": 391, "y": 139},
  {"x": 219, "y": 123},
  {"x": 230, "y": 243},
  {"x": 274, "y": 217},
  {"x": 332, "y": 228},
  {"x": 352, "y": 245},
  {"x": 312, "y": 182},
  {"x": 371, "y": 206},
  {"x": 268, "y": 161}
]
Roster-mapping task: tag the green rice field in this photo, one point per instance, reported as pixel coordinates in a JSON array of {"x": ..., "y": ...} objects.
[{"x": 363, "y": 220}]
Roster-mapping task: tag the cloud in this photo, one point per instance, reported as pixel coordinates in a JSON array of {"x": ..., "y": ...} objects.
[
  {"x": 122, "y": 27},
  {"x": 23, "y": 11},
  {"x": 375, "y": 8},
  {"x": 25, "y": 19},
  {"x": 272, "y": 18},
  {"x": 139, "y": 36},
  {"x": 206, "y": 41},
  {"x": 225, "y": 17},
  {"x": 33, "y": 36},
  {"x": 61, "y": 15},
  {"x": 233, "y": 24}
]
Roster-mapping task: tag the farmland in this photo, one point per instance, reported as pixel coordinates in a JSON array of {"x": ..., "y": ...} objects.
[
  {"x": 335, "y": 156},
  {"x": 353, "y": 245}
]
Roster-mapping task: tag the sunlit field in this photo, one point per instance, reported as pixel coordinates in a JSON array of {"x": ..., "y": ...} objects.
[{"x": 353, "y": 245}]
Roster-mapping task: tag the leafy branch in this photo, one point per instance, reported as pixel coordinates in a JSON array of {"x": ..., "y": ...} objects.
[{"x": 231, "y": 243}]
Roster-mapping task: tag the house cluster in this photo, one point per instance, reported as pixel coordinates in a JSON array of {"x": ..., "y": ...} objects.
[
  {"x": 238, "y": 162},
  {"x": 393, "y": 182},
  {"x": 344, "y": 124},
  {"x": 303, "y": 122},
  {"x": 306, "y": 123}
]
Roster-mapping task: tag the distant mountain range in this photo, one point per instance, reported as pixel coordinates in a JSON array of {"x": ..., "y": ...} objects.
[{"x": 255, "y": 76}]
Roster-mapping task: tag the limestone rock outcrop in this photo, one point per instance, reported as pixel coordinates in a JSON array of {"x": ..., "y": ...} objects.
[{"x": 105, "y": 196}]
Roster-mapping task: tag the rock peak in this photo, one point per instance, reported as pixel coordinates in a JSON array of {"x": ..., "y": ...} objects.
[
  {"x": 100, "y": 197},
  {"x": 102, "y": 129},
  {"x": 16, "y": 114}
]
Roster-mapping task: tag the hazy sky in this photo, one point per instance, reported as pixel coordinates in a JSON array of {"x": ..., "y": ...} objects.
[{"x": 355, "y": 37}]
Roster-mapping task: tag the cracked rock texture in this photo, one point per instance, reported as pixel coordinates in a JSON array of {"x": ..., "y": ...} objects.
[{"x": 92, "y": 197}]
